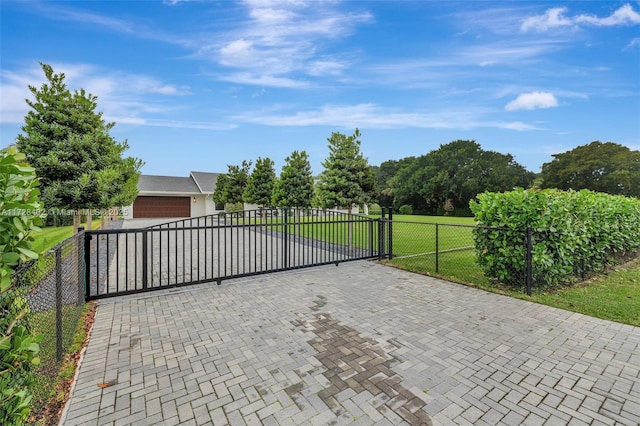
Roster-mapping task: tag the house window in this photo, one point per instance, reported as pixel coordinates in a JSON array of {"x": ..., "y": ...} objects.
[{"x": 219, "y": 206}]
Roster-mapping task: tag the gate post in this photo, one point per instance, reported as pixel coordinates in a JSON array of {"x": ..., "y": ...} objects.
[
  {"x": 87, "y": 266},
  {"x": 390, "y": 233}
]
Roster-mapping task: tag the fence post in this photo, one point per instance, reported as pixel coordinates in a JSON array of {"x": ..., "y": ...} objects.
[
  {"x": 437, "y": 248},
  {"x": 78, "y": 259},
  {"x": 87, "y": 266},
  {"x": 529, "y": 255},
  {"x": 145, "y": 272},
  {"x": 59, "y": 304},
  {"x": 390, "y": 233}
]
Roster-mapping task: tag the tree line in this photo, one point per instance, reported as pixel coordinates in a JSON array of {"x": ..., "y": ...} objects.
[
  {"x": 444, "y": 180},
  {"x": 346, "y": 181}
]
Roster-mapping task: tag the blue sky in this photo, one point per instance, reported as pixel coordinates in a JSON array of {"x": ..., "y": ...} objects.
[{"x": 197, "y": 85}]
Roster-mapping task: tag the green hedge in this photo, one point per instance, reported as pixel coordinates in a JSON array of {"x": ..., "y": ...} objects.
[{"x": 573, "y": 233}]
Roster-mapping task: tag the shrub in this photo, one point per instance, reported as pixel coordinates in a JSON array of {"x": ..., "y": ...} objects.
[
  {"x": 572, "y": 233},
  {"x": 406, "y": 209},
  {"x": 18, "y": 347}
]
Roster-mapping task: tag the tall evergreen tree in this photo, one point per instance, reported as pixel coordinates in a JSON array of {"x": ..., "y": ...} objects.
[
  {"x": 260, "y": 184},
  {"x": 347, "y": 178},
  {"x": 294, "y": 188},
  {"x": 230, "y": 187},
  {"x": 80, "y": 165}
]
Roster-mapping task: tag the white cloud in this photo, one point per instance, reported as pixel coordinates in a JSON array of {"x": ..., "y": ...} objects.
[
  {"x": 532, "y": 100},
  {"x": 625, "y": 15},
  {"x": 375, "y": 117},
  {"x": 635, "y": 42},
  {"x": 552, "y": 18},
  {"x": 264, "y": 80},
  {"x": 281, "y": 42},
  {"x": 127, "y": 97},
  {"x": 556, "y": 18}
]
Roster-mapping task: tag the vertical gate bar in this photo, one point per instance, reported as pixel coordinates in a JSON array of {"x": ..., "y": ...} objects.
[
  {"x": 206, "y": 246},
  {"x": 184, "y": 253},
  {"x": 106, "y": 269},
  {"x": 117, "y": 254},
  {"x": 135, "y": 265},
  {"x": 126, "y": 260},
  {"x": 219, "y": 251},
  {"x": 145, "y": 266},
  {"x": 159, "y": 257},
  {"x": 285, "y": 241}
]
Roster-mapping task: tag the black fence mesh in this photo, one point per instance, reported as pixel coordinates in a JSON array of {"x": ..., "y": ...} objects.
[
  {"x": 52, "y": 290},
  {"x": 437, "y": 249}
]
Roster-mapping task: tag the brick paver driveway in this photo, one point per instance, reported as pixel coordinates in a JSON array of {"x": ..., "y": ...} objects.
[{"x": 355, "y": 344}]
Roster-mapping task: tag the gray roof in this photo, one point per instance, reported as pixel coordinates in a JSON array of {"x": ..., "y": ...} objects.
[
  {"x": 183, "y": 185},
  {"x": 205, "y": 181}
]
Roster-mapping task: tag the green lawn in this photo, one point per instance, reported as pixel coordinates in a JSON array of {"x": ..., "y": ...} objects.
[
  {"x": 54, "y": 235},
  {"x": 614, "y": 296}
]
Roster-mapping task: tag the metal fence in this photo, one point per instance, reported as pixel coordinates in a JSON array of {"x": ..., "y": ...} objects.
[
  {"x": 223, "y": 246},
  {"x": 52, "y": 290},
  {"x": 444, "y": 250},
  {"x": 451, "y": 251}
]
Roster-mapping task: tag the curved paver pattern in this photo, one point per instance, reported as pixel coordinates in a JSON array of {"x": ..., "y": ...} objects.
[{"x": 254, "y": 351}]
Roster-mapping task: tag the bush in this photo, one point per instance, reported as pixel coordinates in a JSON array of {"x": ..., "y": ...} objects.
[
  {"x": 572, "y": 233},
  {"x": 406, "y": 209},
  {"x": 18, "y": 347}
]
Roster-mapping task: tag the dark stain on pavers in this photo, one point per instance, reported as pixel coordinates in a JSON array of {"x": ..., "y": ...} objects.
[
  {"x": 361, "y": 364},
  {"x": 319, "y": 303},
  {"x": 292, "y": 391}
]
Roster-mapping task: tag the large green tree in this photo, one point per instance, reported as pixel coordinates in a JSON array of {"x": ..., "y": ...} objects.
[
  {"x": 294, "y": 188},
  {"x": 454, "y": 174},
  {"x": 260, "y": 184},
  {"x": 347, "y": 178},
  {"x": 80, "y": 165},
  {"x": 604, "y": 167},
  {"x": 230, "y": 187}
]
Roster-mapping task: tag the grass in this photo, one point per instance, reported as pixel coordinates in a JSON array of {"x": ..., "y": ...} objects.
[
  {"x": 613, "y": 296},
  {"x": 51, "y": 236}
]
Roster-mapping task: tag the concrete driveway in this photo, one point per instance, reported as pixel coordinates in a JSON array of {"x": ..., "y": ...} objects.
[{"x": 359, "y": 344}]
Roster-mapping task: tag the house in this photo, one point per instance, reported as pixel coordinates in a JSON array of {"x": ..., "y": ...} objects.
[{"x": 174, "y": 197}]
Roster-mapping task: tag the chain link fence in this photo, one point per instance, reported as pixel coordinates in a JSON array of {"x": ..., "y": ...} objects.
[
  {"x": 52, "y": 290},
  {"x": 443, "y": 250},
  {"x": 485, "y": 256}
]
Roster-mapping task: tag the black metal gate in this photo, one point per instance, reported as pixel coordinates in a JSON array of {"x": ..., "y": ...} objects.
[{"x": 218, "y": 247}]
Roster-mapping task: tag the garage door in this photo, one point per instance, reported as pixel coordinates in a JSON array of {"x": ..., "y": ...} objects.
[{"x": 162, "y": 207}]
